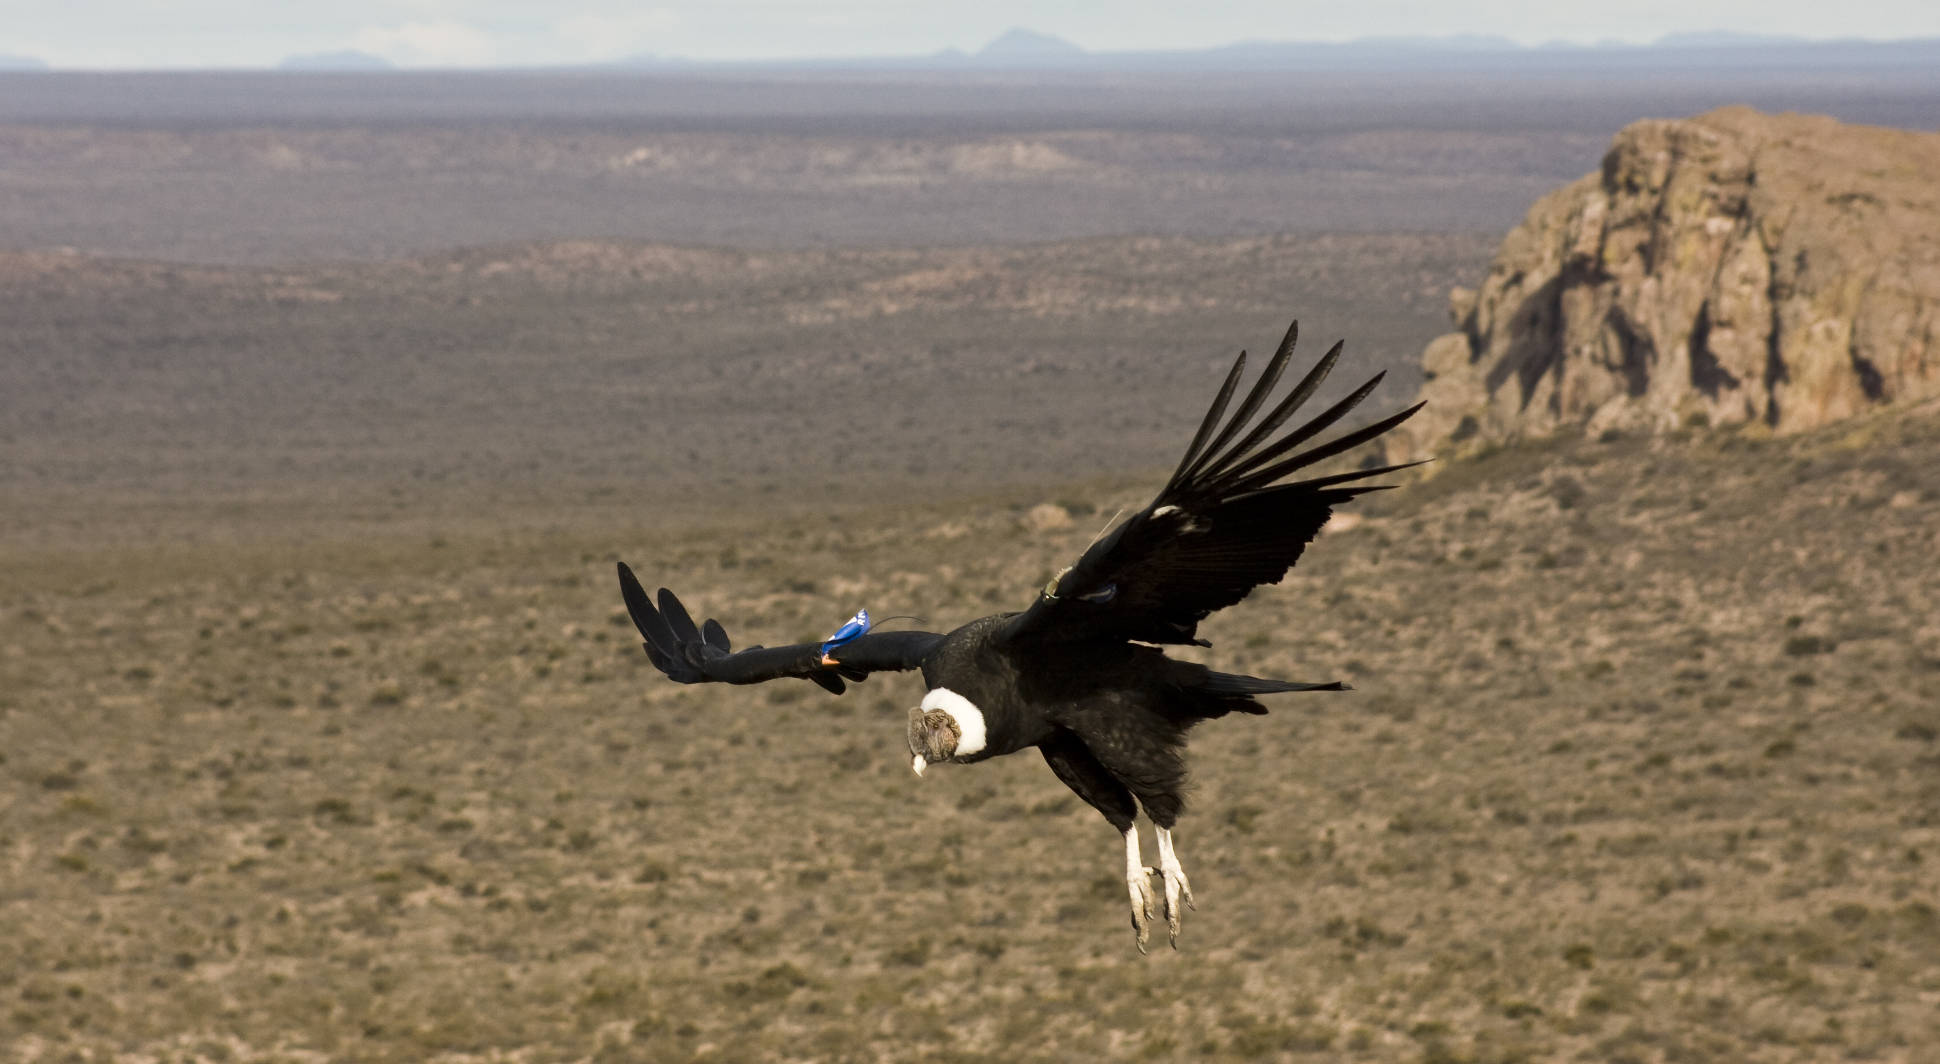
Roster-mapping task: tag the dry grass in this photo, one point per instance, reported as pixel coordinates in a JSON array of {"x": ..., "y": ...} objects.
[{"x": 1641, "y": 767}]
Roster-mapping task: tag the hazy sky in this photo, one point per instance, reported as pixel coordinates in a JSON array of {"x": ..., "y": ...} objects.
[{"x": 191, "y": 33}]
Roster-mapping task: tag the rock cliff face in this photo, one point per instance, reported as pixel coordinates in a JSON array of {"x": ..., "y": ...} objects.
[{"x": 1737, "y": 267}]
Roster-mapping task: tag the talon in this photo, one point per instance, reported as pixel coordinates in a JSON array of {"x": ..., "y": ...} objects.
[
  {"x": 1138, "y": 889},
  {"x": 1141, "y": 914},
  {"x": 1144, "y": 900}
]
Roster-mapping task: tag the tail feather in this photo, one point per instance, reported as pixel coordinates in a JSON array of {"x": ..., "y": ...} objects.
[
  {"x": 1228, "y": 683},
  {"x": 1232, "y": 693}
]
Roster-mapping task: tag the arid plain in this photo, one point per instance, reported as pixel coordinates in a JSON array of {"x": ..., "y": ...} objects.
[{"x": 323, "y": 735}]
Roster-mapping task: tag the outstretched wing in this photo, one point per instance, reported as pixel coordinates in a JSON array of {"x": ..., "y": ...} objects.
[
  {"x": 703, "y": 655},
  {"x": 1222, "y": 525}
]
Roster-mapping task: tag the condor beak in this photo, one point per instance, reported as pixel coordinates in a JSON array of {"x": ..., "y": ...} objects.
[{"x": 916, "y": 762}]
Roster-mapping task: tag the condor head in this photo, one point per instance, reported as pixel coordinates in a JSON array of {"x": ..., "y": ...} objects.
[
  {"x": 947, "y": 726},
  {"x": 933, "y": 737}
]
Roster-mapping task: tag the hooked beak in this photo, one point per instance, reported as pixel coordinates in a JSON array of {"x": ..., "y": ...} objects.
[{"x": 916, "y": 762}]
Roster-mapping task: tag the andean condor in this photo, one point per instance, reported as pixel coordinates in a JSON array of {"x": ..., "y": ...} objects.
[{"x": 1079, "y": 674}]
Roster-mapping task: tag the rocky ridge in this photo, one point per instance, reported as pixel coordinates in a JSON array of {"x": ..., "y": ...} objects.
[{"x": 1773, "y": 271}]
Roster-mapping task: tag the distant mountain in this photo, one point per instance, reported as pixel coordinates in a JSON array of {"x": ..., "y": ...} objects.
[
  {"x": 1708, "y": 52},
  {"x": 1022, "y": 46},
  {"x": 1726, "y": 39},
  {"x": 653, "y": 61},
  {"x": 1456, "y": 42},
  {"x": 21, "y": 62},
  {"x": 348, "y": 59}
]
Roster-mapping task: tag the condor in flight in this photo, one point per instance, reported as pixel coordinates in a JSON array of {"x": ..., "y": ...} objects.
[{"x": 1080, "y": 674}]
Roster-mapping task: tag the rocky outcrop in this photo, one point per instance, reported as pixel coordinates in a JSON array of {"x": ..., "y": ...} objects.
[{"x": 1737, "y": 267}]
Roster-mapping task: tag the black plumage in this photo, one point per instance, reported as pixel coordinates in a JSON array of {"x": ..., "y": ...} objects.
[{"x": 1080, "y": 673}]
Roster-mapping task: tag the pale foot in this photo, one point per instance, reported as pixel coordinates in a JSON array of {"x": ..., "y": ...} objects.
[
  {"x": 1138, "y": 884},
  {"x": 1177, "y": 887}
]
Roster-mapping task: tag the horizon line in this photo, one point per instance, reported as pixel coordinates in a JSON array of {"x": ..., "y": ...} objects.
[{"x": 1066, "y": 55}]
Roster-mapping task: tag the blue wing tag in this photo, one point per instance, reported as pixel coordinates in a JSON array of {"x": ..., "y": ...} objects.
[{"x": 850, "y": 629}]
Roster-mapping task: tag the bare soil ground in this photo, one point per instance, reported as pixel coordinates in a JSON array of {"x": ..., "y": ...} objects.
[
  {"x": 142, "y": 399},
  {"x": 1641, "y": 766}
]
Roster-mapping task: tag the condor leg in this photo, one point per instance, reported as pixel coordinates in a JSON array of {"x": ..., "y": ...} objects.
[
  {"x": 1177, "y": 887},
  {"x": 1081, "y": 772},
  {"x": 1138, "y": 883}
]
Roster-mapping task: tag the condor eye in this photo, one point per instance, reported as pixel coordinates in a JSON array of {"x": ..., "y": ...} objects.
[{"x": 1102, "y": 595}]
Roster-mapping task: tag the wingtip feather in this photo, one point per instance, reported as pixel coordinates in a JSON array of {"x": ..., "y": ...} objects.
[
  {"x": 827, "y": 681},
  {"x": 1216, "y": 452},
  {"x": 1207, "y": 423},
  {"x": 639, "y": 607},
  {"x": 1242, "y": 454},
  {"x": 677, "y": 618},
  {"x": 715, "y": 635}
]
